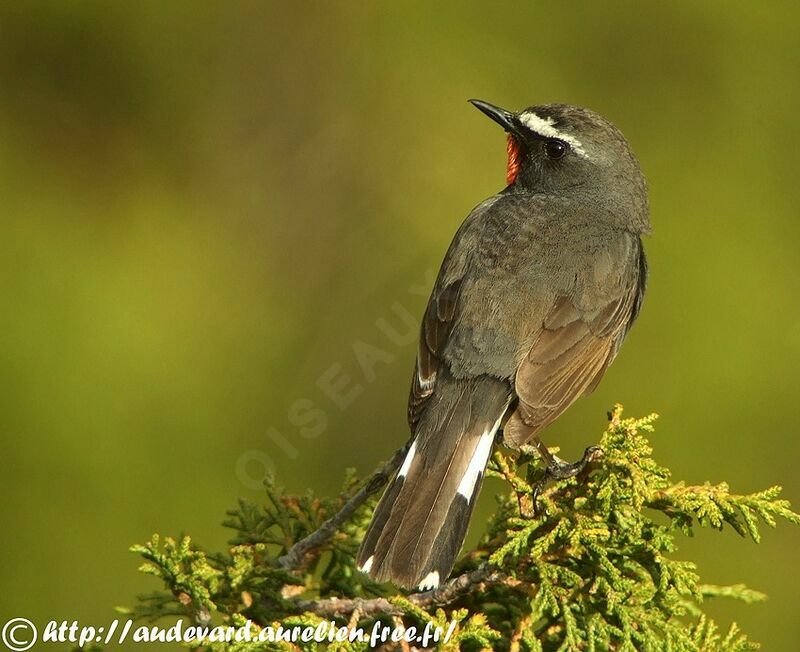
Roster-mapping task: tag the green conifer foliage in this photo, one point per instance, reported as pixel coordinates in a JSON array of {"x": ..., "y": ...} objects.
[{"x": 593, "y": 568}]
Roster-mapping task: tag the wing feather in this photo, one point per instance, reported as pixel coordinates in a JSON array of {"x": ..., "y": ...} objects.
[
  {"x": 572, "y": 351},
  {"x": 436, "y": 327}
]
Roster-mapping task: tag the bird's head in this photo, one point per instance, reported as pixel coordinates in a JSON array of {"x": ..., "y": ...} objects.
[{"x": 570, "y": 151}]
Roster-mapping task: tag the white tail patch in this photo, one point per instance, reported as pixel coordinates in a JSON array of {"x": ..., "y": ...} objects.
[
  {"x": 425, "y": 384},
  {"x": 478, "y": 462},
  {"x": 430, "y": 581},
  {"x": 546, "y": 127},
  {"x": 407, "y": 462},
  {"x": 367, "y": 566}
]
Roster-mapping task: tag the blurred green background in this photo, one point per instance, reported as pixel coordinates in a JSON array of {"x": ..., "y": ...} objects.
[{"x": 206, "y": 206}]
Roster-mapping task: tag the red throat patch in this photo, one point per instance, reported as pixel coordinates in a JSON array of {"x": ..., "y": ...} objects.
[{"x": 514, "y": 159}]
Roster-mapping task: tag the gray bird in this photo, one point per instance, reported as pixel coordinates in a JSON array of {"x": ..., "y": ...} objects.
[{"x": 535, "y": 295}]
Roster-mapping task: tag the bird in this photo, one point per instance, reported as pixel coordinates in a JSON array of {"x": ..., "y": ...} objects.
[{"x": 534, "y": 297}]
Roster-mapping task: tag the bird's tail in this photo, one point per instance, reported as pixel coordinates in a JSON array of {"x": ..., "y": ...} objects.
[{"x": 421, "y": 520}]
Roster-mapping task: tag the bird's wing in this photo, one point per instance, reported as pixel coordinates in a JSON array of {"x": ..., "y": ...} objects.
[
  {"x": 572, "y": 350},
  {"x": 436, "y": 326},
  {"x": 442, "y": 311}
]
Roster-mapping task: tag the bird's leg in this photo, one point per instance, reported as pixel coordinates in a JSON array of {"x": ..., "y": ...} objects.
[{"x": 558, "y": 469}]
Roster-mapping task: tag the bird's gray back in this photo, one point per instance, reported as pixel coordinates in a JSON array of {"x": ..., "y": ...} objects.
[{"x": 515, "y": 255}]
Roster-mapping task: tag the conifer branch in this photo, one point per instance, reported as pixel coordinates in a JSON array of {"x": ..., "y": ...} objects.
[
  {"x": 294, "y": 556},
  {"x": 446, "y": 594},
  {"x": 592, "y": 569}
]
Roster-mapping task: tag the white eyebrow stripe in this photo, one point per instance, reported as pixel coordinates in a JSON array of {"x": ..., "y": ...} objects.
[{"x": 545, "y": 127}]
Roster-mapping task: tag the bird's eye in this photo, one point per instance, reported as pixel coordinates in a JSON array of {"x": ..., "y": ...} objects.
[{"x": 555, "y": 148}]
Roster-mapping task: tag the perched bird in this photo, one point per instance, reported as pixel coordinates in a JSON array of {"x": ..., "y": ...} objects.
[{"x": 536, "y": 293}]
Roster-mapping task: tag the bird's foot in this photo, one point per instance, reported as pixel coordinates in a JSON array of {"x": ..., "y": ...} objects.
[{"x": 558, "y": 469}]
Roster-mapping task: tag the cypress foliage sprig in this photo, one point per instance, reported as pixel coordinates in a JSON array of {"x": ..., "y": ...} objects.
[{"x": 592, "y": 569}]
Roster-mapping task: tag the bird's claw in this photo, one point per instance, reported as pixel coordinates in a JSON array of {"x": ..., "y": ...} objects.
[{"x": 558, "y": 469}]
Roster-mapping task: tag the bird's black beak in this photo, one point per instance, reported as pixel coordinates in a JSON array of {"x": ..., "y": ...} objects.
[{"x": 506, "y": 119}]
